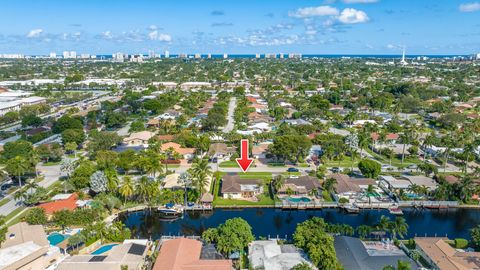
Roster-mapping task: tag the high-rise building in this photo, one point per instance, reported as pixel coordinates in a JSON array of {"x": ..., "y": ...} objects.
[
  {"x": 281, "y": 56},
  {"x": 209, "y": 56},
  {"x": 225, "y": 56},
  {"x": 151, "y": 54},
  {"x": 73, "y": 54},
  {"x": 53, "y": 55},
  {"x": 403, "y": 62},
  {"x": 257, "y": 56},
  {"x": 85, "y": 55},
  {"x": 118, "y": 57},
  {"x": 197, "y": 56},
  {"x": 66, "y": 54},
  {"x": 167, "y": 54}
]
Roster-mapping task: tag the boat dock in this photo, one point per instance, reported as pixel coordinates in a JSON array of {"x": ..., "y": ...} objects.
[{"x": 383, "y": 205}]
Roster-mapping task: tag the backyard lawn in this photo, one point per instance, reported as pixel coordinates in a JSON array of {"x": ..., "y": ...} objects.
[{"x": 265, "y": 199}]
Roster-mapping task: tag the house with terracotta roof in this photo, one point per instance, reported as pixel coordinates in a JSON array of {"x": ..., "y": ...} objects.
[
  {"x": 440, "y": 255},
  {"x": 68, "y": 202},
  {"x": 390, "y": 138},
  {"x": 138, "y": 138},
  {"x": 184, "y": 253},
  {"x": 234, "y": 187},
  {"x": 187, "y": 153}
]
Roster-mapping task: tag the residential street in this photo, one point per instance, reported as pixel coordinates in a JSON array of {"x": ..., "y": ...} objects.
[{"x": 231, "y": 110}]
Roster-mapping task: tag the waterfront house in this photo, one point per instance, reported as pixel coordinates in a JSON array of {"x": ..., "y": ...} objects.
[
  {"x": 421, "y": 180},
  {"x": 234, "y": 187},
  {"x": 440, "y": 255},
  {"x": 27, "y": 247},
  {"x": 355, "y": 254},
  {"x": 393, "y": 184},
  {"x": 300, "y": 186},
  {"x": 268, "y": 254},
  {"x": 184, "y": 253},
  {"x": 130, "y": 254},
  {"x": 138, "y": 138},
  {"x": 348, "y": 187}
]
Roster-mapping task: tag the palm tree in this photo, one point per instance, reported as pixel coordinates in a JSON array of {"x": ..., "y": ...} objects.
[
  {"x": 329, "y": 184},
  {"x": 398, "y": 227},
  {"x": 17, "y": 166},
  {"x": 466, "y": 187},
  {"x": 363, "y": 231},
  {"x": 369, "y": 191},
  {"x": 154, "y": 165},
  {"x": 186, "y": 180},
  {"x": 407, "y": 137},
  {"x": 201, "y": 172},
  {"x": 142, "y": 188},
  {"x": 126, "y": 188},
  {"x": 383, "y": 223}
]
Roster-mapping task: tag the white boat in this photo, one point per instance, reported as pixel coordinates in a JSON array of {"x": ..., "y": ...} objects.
[
  {"x": 351, "y": 209},
  {"x": 395, "y": 210}
]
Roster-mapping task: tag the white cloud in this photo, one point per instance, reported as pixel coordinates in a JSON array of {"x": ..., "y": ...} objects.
[
  {"x": 35, "y": 33},
  {"x": 155, "y": 35},
  {"x": 359, "y": 1},
  {"x": 107, "y": 34},
  {"x": 469, "y": 7},
  {"x": 314, "y": 12},
  {"x": 351, "y": 16}
]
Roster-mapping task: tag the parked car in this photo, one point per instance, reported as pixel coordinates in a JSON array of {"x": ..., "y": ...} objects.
[
  {"x": 291, "y": 169},
  {"x": 335, "y": 169}
]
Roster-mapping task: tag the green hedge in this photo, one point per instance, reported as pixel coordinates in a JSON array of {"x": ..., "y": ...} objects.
[{"x": 461, "y": 243}]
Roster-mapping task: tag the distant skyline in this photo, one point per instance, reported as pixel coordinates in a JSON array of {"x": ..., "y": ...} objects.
[{"x": 241, "y": 27}]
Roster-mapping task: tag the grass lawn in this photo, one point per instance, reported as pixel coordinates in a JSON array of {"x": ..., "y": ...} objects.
[
  {"x": 265, "y": 199},
  {"x": 228, "y": 164},
  {"x": 18, "y": 218},
  {"x": 346, "y": 162},
  {"x": 12, "y": 214},
  {"x": 4, "y": 201},
  {"x": 51, "y": 163},
  {"x": 303, "y": 165},
  {"x": 276, "y": 165}
]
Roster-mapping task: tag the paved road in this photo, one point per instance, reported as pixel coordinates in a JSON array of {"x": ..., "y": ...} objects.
[
  {"x": 51, "y": 175},
  {"x": 231, "y": 110}
]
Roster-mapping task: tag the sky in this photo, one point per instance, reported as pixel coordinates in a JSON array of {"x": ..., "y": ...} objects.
[{"x": 35, "y": 27}]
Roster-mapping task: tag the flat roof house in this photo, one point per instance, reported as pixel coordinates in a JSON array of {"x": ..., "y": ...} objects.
[
  {"x": 440, "y": 255},
  {"x": 234, "y": 187},
  {"x": 269, "y": 254},
  {"x": 129, "y": 254},
  {"x": 355, "y": 254},
  {"x": 186, "y": 254},
  {"x": 27, "y": 247}
]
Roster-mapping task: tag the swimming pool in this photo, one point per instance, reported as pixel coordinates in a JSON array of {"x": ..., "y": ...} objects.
[
  {"x": 103, "y": 249},
  {"x": 56, "y": 238},
  {"x": 297, "y": 200}
]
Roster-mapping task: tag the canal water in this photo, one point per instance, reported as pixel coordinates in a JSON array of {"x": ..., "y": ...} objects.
[{"x": 275, "y": 222}]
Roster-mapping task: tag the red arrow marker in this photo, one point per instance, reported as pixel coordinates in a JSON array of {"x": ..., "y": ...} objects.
[{"x": 244, "y": 162}]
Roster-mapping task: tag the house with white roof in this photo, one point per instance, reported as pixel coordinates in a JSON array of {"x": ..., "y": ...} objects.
[{"x": 268, "y": 254}]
